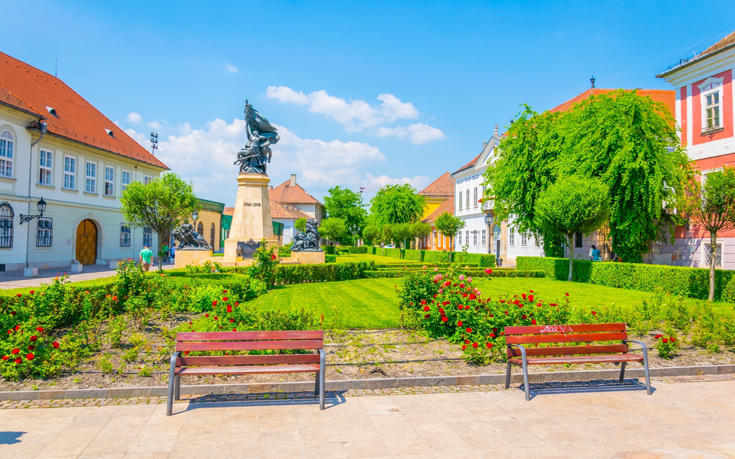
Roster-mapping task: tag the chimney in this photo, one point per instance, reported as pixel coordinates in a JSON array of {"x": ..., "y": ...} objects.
[{"x": 293, "y": 180}]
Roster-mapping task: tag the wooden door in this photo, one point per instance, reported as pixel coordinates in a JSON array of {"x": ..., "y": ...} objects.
[{"x": 87, "y": 242}]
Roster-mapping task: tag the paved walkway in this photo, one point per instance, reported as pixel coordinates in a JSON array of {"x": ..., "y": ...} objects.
[
  {"x": 15, "y": 279},
  {"x": 678, "y": 421}
]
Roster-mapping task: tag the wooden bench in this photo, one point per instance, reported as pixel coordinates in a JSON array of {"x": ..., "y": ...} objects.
[
  {"x": 182, "y": 364},
  {"x": 518, "y": 354}
]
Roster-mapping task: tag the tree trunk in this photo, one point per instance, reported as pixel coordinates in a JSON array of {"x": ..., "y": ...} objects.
[
  {"x": 570, "y": 238},
  {"x": 712, "y": 260},
  {"x": 160, "y": 249}
]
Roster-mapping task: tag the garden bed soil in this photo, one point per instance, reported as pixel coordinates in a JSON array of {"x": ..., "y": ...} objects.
[{"x": 350, "y": 355}]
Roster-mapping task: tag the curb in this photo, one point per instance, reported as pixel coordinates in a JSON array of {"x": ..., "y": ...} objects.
[{"x": 363, "y": 384}]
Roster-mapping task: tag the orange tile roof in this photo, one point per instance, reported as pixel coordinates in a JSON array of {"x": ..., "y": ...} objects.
[
  {"x": 285, "y": 193},
  {"x": 32, "y": 90},
  {"x": 728, "y": 40},
  {"x": 282, "y": 211},
  {"x": 446, "y": 206},
  {"x": 443, "y": 186},
  {"x": 658, "y": 95},
  {"x": 469, "y": 164}
]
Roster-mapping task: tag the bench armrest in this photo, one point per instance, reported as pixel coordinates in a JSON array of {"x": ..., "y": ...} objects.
[
  {"x": 523, "y": 351},
  {"x": 641, "y": 343}
]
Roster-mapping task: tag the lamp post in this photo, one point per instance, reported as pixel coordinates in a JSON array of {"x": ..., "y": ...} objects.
[
  {"x": 41, "y": 205},
  {"x": 154, "y": 143}
]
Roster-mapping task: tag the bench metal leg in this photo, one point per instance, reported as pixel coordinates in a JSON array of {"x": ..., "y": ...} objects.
[
  {"x": 645, "y": 369},
  {"x": 320, "y": 377},
  {"x": 177, "y": 388},
  {"x": 525, "y": 379},
  {"x": 507, "y": 377},
  {"x": 622, "y": 371},
  {"x": 316, "y": 383},
  {"x": 171, "y": 383}
]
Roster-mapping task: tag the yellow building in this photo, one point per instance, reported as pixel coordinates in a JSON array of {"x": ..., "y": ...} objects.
[
  {"x": 209, "y": 223},
  {"x": 439, "y": 196}
]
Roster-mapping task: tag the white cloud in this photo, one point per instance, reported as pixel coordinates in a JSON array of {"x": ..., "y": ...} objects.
[
  {"x": 155, "y": 125},
  {"x": 231, "y": 67},
  {"x": 418, "y": 133},
  {"x": 355, "y": 115},
  {"x": 419, "y": 182},
  {"x": 134, "y": 118}
]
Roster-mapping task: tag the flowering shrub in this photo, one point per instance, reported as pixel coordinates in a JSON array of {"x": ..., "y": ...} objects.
[
  {"x": 264, "y": 267},
  {"x": 666, "y": 346}
]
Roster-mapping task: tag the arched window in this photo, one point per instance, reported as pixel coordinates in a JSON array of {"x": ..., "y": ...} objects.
[
  {"x": 7, "y": 146},
  {"x": 6, "y": 226},
  {"x": 200, "y": 229},
  {"x": 211, "y": 236}
]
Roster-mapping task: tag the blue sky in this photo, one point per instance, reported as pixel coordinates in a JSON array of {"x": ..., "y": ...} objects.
[{"x": 364, "y": 93}]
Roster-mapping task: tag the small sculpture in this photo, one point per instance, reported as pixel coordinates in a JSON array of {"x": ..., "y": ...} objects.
[
  {"x": 253, "y": 157},
  {"x": 308, "y": 241},
  {"x": 190, "y": 239}
]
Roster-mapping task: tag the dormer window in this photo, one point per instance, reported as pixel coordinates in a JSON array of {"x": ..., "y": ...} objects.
[
  {"x": 52, "y": 111},
  {"x": 110, "y": 133},
  {"x": 711, "y": 104}
]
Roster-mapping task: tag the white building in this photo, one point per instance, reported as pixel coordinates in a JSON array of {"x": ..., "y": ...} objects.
[
  {"x": 55, "y": 145},
  {"x": 290, "y": 202}
]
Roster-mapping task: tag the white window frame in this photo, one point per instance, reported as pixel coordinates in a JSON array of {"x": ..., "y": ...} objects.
[
  {"x": 45, "y": 166},
  {"x": 460, "y": 200},
  {"x": 44, "y": 232},
  {"x": 460, "y": 239},
  {"x": 109, "y": 181},
  {"x": 475, "y": 194},
  {"x": 147, "y": 236},
  {"x": 90, "y": 183},
  {"x": 125, "y": 235},
  {"x": 483, "y": 239},
  {"x": 467, "y": 199},
  {"x": 123, "y": 181},
  {"x": 70, "y": 172},
  {"x": 710, "y": 87},
  {"x": 474, "y": 237},
  {"x": 467, "y": 237},
  {"x": 703, "y": 252},
  {"x": 511, "y": 237},
  {"x": 7, "y": 152},
  {"x": 524, "y": 240},
  {"x": 147, "y": 179}
]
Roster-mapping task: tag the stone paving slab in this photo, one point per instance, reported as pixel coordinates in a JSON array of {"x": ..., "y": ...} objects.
[{"x": 692, "y": 420}]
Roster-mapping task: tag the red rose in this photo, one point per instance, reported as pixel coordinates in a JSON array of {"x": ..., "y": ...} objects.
[
  {"x": 423, "y": 302},
  {"x": 469, "y": 330},
  {"x": 19, "y": 295},
  {"x": 224, "y": 291},
  {"x": 531, "y": 291},
  {"x": 15, "y": 351},
  {"x": 34, "y": 338},
  {"x": 506, "y": 312},
  {"x": 237, "y": 303},
  {"x": 530, "y": 298},
  {"x": 533, "y": 321},
  {"x": 426, "y": 316},
  {"x": 460, "y": 307},
  {"x": 459, "y": 324},
  {"x": 426, "y": 308},
  {"x": 214, "y": 303},
  {"x": 114, "y": 298},
  {"x": 489, "y": 345},
  {"x": 444, "y": 318},
  {"x": 672, "y": 339},
  {"x": 464, "y": 347},
  {"x": 39, "y": 329},
  {"x": 665, "y": 340},
  {"x": 234, "y": 329},
  {"x": 12, "y": 313},
  {"x": 215, "y": 317},
  {"x": 29, "y": 356},
  {"x": 30, "y": 348},
  {"x": 206, "y": 315},
  {"x": 55, "y": 345},
  {"x": 467, "y": 341},
  {"x": 191, "y": 323},
  {"x": 472, "y": 296},
  {"x": 657, "y": 336},
  {"x": 441, "y": 311},
  {"x": 474, "y": 345},
  {"x": 5, "y": 357},
  {"x": 232, "y": 321},
  {"x": 523, "y": 317},
  {"x": 492, "y": 335},
  {"x": 523, "y": 295},
  {"x": 593, "y": 313},
  {"x": 18, "y": 360},
  {"x": 229, "y": 308},
  {"x": 566, "y": 294}
]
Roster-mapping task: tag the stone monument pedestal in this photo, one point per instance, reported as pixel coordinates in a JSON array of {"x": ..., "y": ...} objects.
[
  {"x": 251, "y": 219},
  {"x": 185, "y": 257},
  {"x": 308, "y": 258}
]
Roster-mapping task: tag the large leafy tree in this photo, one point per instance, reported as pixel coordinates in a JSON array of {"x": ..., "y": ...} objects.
[
  {"x": 449, "y": 225},
  {"x": 371, "y": 233},
  {"x": 334, "y": 229},
  {"x": 346, "y": 204},
  {"x": 397, "y": 204},
  {"x": 710, "y": 203},
  {"x": 573, "y": 205},
  {"x": 161, "y": 205}
]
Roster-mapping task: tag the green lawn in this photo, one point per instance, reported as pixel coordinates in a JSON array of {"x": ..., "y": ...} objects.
[{"x": 378, "y": 259}]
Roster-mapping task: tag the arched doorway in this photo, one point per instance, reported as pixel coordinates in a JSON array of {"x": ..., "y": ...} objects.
[{"x": 87, "y": 242}]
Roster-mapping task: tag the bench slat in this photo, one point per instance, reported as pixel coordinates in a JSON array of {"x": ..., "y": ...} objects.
[
  {"x": 248, "y": 370},
  {"x": 562, "y": 329},
  {"x": 187, "y": 361},
  {"x": 250, "y": 335},
  {"x": 580, "y": 359},
  {"x": 569, "y": 338},
  {"x": 569, "y": 350},
  {"x": 249, "y": 345}
]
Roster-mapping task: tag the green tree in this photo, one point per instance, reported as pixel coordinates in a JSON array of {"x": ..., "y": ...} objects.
[
  {"x": 397, "y": 204},
  {"x": 334, "y": 229},
  {"x": 346, "y": 204},
  {"x": 161, "y": 205},
  {"x": 419, "y": 231},
  {"x": 401, "y": 233},
  {"x": 710, "y": 203},
  {"x": 300, "y": 224},
  {"x": 371, "y": 233},
  {"x": 386, "y": 233},
  {"x": 573, "y": 205},
  {"x": 449, "y": 225}
]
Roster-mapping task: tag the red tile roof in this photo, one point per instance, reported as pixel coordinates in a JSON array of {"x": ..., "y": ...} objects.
[
  {"x": 285, "y": 193},
  {"x": 443, "y": 186},
  {"x": 658, "y": 95},
  {"x": 32, "y": 90},
  {"x": 728, "y": 40},
  {"x": 282, "y": 211},
  {"x": 469, "y": 164},
  {"x": 446, "y": 206}
]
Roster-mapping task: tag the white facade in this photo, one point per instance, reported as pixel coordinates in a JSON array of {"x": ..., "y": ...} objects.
[
  {"x": 520, "y": 244},
  {"x": 78, "y": 182}
]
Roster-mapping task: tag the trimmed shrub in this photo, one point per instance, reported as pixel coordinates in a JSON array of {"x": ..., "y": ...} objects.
[
  {"x": 330, "y": 258},
  {"x": 361, "y": 249},
  {"x": 394, "y": 253},
  {"x": 330, "y": 249},
  {"x": 300, "y": 274},
  {"x": 690, "y": 282},
  {"x": 372, "y": 250},
  {"x": 728, "y": 293},
  {"x": 436, "y": 256},
  {"x": 414, "y": 255},
  {"x": 483, "y": 260}
]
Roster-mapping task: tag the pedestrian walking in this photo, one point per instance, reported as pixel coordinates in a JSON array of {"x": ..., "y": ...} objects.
[{"x": 146, "y": 256}]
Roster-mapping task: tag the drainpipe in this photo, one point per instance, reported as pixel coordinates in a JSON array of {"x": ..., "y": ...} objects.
[{"x": 42, "y": 127}]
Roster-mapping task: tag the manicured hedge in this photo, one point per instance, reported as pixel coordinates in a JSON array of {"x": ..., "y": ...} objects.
[
  {"x": 436, "y": 256},
  {"x": 414, "y": 255},
  {"x": 482, "y": 260},
  {"x": 330, "y": 249},
  {"x": 330, "y": 258},
  {"x": 372, "y": 250},
  {"x": 299, "y": 274},
  {"x": 394, "y": 253},
  {"x": 361, "y": 249},
  {"x": 473, "y": 272},
  {"x": 691, "y": 282}
]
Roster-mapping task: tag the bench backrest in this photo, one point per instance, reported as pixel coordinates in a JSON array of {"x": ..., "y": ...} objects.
[
  {"x": 582, "y": 333},
  {"x": 249, "y": 341}
]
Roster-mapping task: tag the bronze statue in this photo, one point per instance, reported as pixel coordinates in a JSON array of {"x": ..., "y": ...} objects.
[
  {"x": 256, "y": 153},
  {"x": 308, "y": 241},
  {"x": 190, "y": 239}
]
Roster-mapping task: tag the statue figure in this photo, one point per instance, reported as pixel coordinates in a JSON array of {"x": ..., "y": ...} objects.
[
  {"x": 308, "y": 241},
  {"x": 256, "y": 153},
  {"x": 190, "y": 239}
]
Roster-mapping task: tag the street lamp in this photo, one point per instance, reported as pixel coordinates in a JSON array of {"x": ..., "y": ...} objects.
[
  {"x": 194, "y": 215},
  {"x": 154, "y": 143},
  {"x": 41, "y": 208}
]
